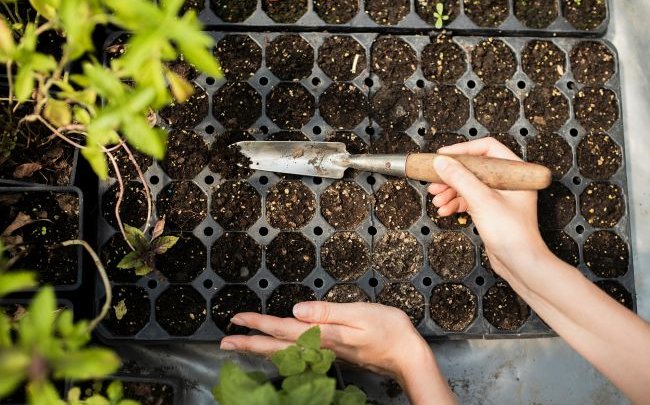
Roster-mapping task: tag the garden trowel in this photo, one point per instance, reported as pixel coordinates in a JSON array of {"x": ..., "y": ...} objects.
[{"x": 331, "y": 160}]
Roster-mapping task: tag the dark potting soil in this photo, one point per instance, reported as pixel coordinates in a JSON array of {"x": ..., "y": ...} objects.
[
  {"x": 290, "y": 205},
  {"x": 188, "y": 114},
  {"x": 239, "y": 56},
  {"x": 233, "y": 10},
  {"x": 290, "y": 57},
  {"x": 546, "y": 108},
  {"x": 187, "y": 155},
  {"x": 485, "y": 260},
  {"x": 387, "y": 12},
  {"x": 343, "y": 106},
  {"x": 503, "y": 308},
  {"x": 510, "y": 142},
  {"x": 183, "y": 204},
  {"x": 453, "y": 306},
  {"x": 346, "y": 294},
  {"x": 342, "y": 58},
  {"x": 602, "y": 204},
  {"x": 112, "y": 253},
  {"x": 599, "y": 157},
  {"x": 232, "y": 300},
  {"x": 443, "y": 61},
  {"x": 227, "y": 161},
  {"x": 496, "y": 108},
  {"x": 290, "y": 256},
  {"x": 345, "y": 256},
  {"x": 196, "y": 5},
  {"x": 149, "y": 393},
  {"x": 556, "y": 207},
  {"x": 290, "y": 105},
  {"x": 33, "y": 224},
  {"x": 236, "y": 205},
  {"x": 552, "y": 151},
  {"x": 617, "y": 291},
  {"x": 183, "y": 68},
  {"x": 451, "y": 255},
  {"x": 393, "y": 142},
  {"x": 487, "y": 13},
  {"x": 237, "y": 105},
  {"x": 493, "y": 61},
  {"x": 426, "y": 9},
  {"x": 585, "y": 15},
  {"x": 180, "y": 310},
  {"x": 126, "y": 167},
  {"x": 405, "y": 297},
  {"x": 136, "y": 301},
  {"x": 344, "y": 205},
  {"x": 606, "y": 254},
  {"x": 392, "y": 59},
  {"x": 446, "y": 108},
  {"x": 395, "y": 107},
  {"x": 536, "y": 13},
  {"x": 398, "y": 256},
  {"x": 336, "y": 11},
  {"x": 596, "y": 108},
  {"x": 236, "y": 257},
  {"x": 562, "y": 246},
  {"x": 283, "y": 298},
  {"x": 285, "y": 11},
  {"x": 454, "y": 221},
  {"x": 397, "y": 204},
  {"x": 184, "y": 261},
  {"x": 543, "y": 62},
  {"x": 435, "y": 141},
  {"x": 592, "y": 63},
  {"x": 133, "y": 210}
]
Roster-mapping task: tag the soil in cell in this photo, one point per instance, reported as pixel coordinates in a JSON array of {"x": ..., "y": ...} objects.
[
  {"x": 392, "y": 59},
  {"x": 606, "y": 254},
  {"x": 290, "y": 57},
  {"x": 556, "y": 207},
  {"x": 290, "y": 205},
  {"x": 344, "y": 205},
  {"x": 236, "y": 257},
  {"x": 342, "y": 58},
  {"x": 285, "y": 11},
  {"x": 592, "y": 63},
  {"x": 346, "y": 294},
  {"x": 187, "y": 154},
  {"x": 236, "y": 205},
  {"x": 398, "y": 256},
  {"x": 227, "y": 161},
  {"x": 493, "y": 61},
  {"x": 232, "y": 300},
  {"x": 188, "y": 114},
  {"x": 284, "y": 297},
  {"x": 133, "y": 209},
  {"x": 393, "y": 142},
  {"x": 405, "y": 297},
  {"x": 290, "y": 105},
  {"x": 387, "y": 12},
  {"x": 136, "y": 302},
  {"x": 496, "y": 108},
  {"x": 183, "y": 204},
  {"x": 240, "y": 57},
  {"x": 443, "y": 61},
  {"x": 336, "y": 11},
  {"x": 503, "y": 308},
  {"x": 585, "y": 15},
  {"x": 184, "y": 261},
  {"x": 546, "y": 108},
  {"x": 445, "y": 108},
  {"x": 602, "y": 204},
  {"x": 180, "y": 310},
  {"x": 552, "y": 151},
  {"x": 290, "y": 257},
  {"x": 536, "y": 14},
  {"x": 345, "y": 256},
  {"x": 596, "y": 108},
  {"x": 543, "y": 62},
  {"x": 599, "y": 157},
  {"x": 395, "y": 107},
  {"x": 562, "y": 246},
  {"x": 426, "y": 9},
  {"x": 343, "y": 106},
  {"x": 617, "y": 291},
  {"x": 487, "y": 13},
  {"x": 237, "y": 105},
  {"x": 453, "y": 307},
  {"x": 233, "y": 10},
  {"x": 397, "y": 204},
  {"x": 451, "y": 255}
]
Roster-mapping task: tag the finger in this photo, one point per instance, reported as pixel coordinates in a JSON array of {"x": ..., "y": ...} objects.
[
  {"x": 465, "y": 182},
  {"x": 281, "y": 328},
  {"x": 437, "y": 188},
  {"x": 462, "y": 205},
  {"x": 264, "y": 345},
  {"x": 481, "y": 147},
  {"x": 444, "y": 197},
  {"x": 355, "y": 315},
  {"x": 449, "y": 209}
]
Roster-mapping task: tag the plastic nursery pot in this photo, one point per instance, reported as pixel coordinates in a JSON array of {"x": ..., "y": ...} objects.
[
  {"x": 259, "y": 241},
  {"x": 464, "y": 17},
  {"x": 37, "y": 220},
  {"x": 146, "y": 390}
]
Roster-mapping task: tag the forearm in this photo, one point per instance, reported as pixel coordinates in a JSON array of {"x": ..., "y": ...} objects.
[
  {"x": 423, "y": 381},
  {"x": 613, "y": 339}
]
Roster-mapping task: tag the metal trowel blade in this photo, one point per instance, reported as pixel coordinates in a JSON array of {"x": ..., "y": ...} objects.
[{"x": 317, "y": 159}]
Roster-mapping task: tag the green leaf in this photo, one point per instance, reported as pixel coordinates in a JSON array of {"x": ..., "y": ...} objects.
[
  {"x": 7, "y": 43},
  {"x": 320, "y": 391},
  {"x": 151, "y": 141},
  {"x": 58, "y": 113},
  {"x": 440, "y": 8},
  {"x": 237, "y": 388},
  {"x": 16, "y": 281},
  {"x": 95, "y": 157},
  {"x": 24, "y": 83},
  {"x": 438, "y": 24},
  {"x": 81, "y": 115},
  {"x": 43, "y": 393},
  {"x": 86, "y": 364},
  {"x": 323, "y": 366},
  {"x": 294, "y": 381},
  {"x": 351, "y": 395},
  {"x": 163, "y": 244},
  {"x": 120, "y": 309},
  {"x": 114, "y": 391},
  {"x": 143, "y": 270},
  {"x": 128, "y": 402},
  {"x": 131, "y": 261},
  {"x": 46, "y": 8},
  {"x": 13, "y": 369},
  {"x": 79, "y": 35},
  {"x": 136, "y": 238},
  {"x": 5, "y": 331},
  {"x": 181, "y": 88},
  {"x": 289, "y": 361},
  {"x": 310, "y": 338},
  {"x": 37, "y": 326}
]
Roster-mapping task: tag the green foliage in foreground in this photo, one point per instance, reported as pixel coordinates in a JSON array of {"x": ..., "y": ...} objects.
[{"x": 304, "y": 367}]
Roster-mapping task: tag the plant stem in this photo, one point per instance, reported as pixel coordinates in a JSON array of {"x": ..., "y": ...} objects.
[
  {"x": 10, "y": 80},
  {"x": 56, "y": 131},
  {"x": 147, "y": 190},
  {"x": 103, "y": 275},
  {"x": 120, "y": 196}
]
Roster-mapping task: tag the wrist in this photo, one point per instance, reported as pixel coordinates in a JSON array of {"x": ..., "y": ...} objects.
[{"x": 417, "y": 359}]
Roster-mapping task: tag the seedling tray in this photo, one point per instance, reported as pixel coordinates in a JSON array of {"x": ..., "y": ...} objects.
[
  {"x": 411, "y": 16},
  {"x": 562, "y": 209},
  {"x": 153, "y": 389}
]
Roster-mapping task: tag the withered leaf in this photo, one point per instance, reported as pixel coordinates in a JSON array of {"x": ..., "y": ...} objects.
[{"x": 27, "y": 170}]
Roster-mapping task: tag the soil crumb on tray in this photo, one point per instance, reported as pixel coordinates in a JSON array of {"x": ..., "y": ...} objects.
[
  {"x": 343, "y": 106},
  {"x": 602, "y": 204},
  {"x": 290, "y": 256},
  {"x": 451, "y": 255},
  {"x": 617, "y": 291},
  {"x": 236, "y": 205},
  {"x": 136, "y": 301},
  {"x": 443, "y": 61},
  {"x": 187, "y": 154},
  {"x": 393, "y": 142},
  {"x": 599, "y": 157},
  {"x": 184, "y": 261},
  {"x": 543, "y": 62},
  {"x": 552, "y": 151},
  {"x": 426, "y": 9},
  {"x": 493, "y": 61},
  {"x": 284, "y": 297},
  {"x": 290, "y": 57},
  {"x": 345, "y": 256},
  {"x": 227, "y": 161},
  {"x": 180, "y": 310},
  {"x": 133, "y": 210},
  {"x": 592, "y": 63},
  {"x": 233, "y": 10},
  {"x": 346, "y": 294},
  {"x": 503, "y": 308},
  {"x": 290, "y": 105},
  {"x": 563, "y": 246},
  {"x": 290, "y": 205},
  {"x": 496, "y": 108},
  {"x": 344, "y": 205},
  {"x": 446, "y": 108},
  {"x": 237, "y": 105},
  {"x": 395, "y": 107},
  {"x": 188, "y": 114},
  {"x": 397, "y": 204},
  {"x": 596, "y": 108},
  {"x": 232, "y": 300},
  {"x": 606, "y": 254},
  {"x": 546, "y": 108},
  {"x": 342, "y": 58},
  {"x": 453, "y": 307},
  {"x": 487, "y": 13},
  {"x": 536, "y": 13},
  {"x": 405, "y": 297},
  {"x": 336, "y": 11},
  {"x": 585, "y": 15},
  {"x": 556, "y": 207},
  {"x": 387, "y": 12},
  {"x": 236, "y": 257},
  {"x": 240, "y": 56},
  {"x": 392, "y": 59},
  {"x": 285, "y": 11},
  {"x": 183, "y": 204},
  {"x": 398, "y": 256}
]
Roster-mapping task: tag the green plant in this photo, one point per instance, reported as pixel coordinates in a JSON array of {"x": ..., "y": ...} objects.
[
  {"x": 304, "y": 367},
  {"x": 141, "y": 259},
  {"x": 114, "y": 396},
  {"x": 12, "y": 280},
  {"x": 440, "y": 15}
]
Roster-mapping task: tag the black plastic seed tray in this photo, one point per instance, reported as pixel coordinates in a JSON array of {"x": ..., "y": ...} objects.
[
  {"x": 411, "y": 288},
  {"x": 141, "y": 388},
  {"x": 466, "y": 17}
]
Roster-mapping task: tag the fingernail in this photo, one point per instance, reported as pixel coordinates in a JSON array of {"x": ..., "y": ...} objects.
[
  {"x": 301, "y": 310},
  {"x": 440, "y": 163},
  {"x": 225, "y": 345},
  {"x": 237, "y": 320}
]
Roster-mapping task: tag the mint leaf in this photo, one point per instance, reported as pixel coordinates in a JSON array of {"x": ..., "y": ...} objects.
[
  {"x": 310, "y": 339},
  {"x": 163, "y": 244},
  {"x": 131, "y": 261},
  {"x": 325, "y": 363},
  {"x": 289, "y": 361},
  {"x": 237, "y": 388},
  {"x": 351, "y": 395},
  {"x": 319, "y": 391}
]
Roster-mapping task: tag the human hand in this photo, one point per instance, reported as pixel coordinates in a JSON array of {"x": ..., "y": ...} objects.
[
  {"x": 379, "y": 338},
  {"x": 506, "y": 220}
]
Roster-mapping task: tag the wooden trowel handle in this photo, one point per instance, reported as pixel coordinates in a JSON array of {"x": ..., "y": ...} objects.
[{"x": 501, "y": 174}]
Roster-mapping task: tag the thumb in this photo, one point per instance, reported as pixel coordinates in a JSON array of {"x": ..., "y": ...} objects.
[{"x": 455, "y": 175}]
